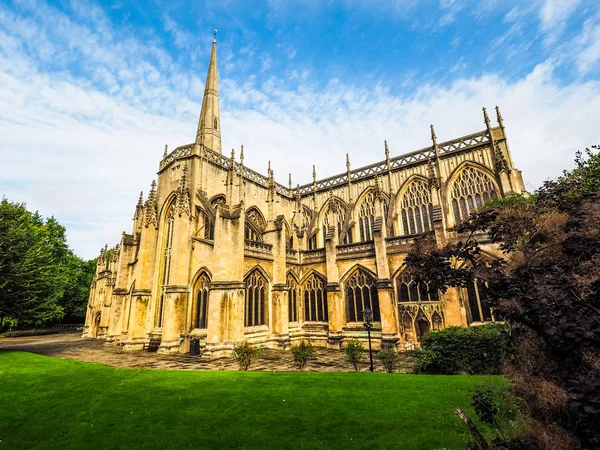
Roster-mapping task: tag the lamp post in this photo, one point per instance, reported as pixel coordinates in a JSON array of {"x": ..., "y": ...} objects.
[{"x": 368, "y": 319}]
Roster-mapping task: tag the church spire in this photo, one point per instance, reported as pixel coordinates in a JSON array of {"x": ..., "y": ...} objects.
[{"x": 209, "y": 125}]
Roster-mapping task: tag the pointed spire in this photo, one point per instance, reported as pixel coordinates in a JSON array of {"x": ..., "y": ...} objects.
[
  {"x": 499, "y": 117},
  {"x": 165, "y": 153},
  {"x": 139, "y": 209},
  {"x": 347, "y": 162},
  {"x": 433, "y": 136},
  {"x": 182, "y": 202},
  {"x": 290, "y": 181},
  {"x": 387, "y": 151},
  {"x": 151, "y": 207},
  {"x": 242, "y": 155},
  {"x": 314, "y": 174},
  {"x": 209, "y": 125},
  {"x": 486, "y": 118}
]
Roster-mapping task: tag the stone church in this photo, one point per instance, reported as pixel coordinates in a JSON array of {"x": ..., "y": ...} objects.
[{"x": 220, "y": 253}]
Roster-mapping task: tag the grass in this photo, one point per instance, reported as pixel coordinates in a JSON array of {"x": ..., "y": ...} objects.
[{"x": 50, "y": 403}]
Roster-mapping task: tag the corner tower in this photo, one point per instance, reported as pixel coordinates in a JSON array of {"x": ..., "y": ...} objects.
[{"x": 209, "y": 125}]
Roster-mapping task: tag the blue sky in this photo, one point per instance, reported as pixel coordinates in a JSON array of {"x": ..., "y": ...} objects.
[{"x": 90, "y": 92}]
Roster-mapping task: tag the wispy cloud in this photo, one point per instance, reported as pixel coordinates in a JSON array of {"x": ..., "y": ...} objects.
[{"x": 86, "y": 108}]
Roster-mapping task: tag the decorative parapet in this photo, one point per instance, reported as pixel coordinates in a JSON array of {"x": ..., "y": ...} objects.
[
  {"x": 401, "y": 243},
  {"x": 258, "y": 247},
  {"x": 358, "y": 248},
  {"x": 316, "y": 255},
  {"x": 399, "y": 162},
  {"x": 180, "y": 152},
  {"x": 421, "y": 156},
  {"x": 292, "y": 254}
]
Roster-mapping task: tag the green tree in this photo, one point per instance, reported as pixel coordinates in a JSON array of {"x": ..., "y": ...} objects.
[
  {"x": 40, "y": 277},
  {"x": 548, "y": 288}
]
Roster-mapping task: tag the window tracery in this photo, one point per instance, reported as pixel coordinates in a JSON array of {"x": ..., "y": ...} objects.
[
  {"x": 255, "y": 225},
  {"x": 315, "y": 299},
  {"x": 207, "y": 226},
  {"x": 416, "y": 209},
  {"x": 479, "y": 306},
  {"x": 361, "y": 293},
  {"x": 336, "y": 213},
  {"x": 201, "y": 306},
  {"x": 410, "y": 290},
  {"x": 470, "y": 191},
  {"x": 166, "y": 269},
  {"x": 292, "y": 299},
  {"x": 256, "y": 294}
]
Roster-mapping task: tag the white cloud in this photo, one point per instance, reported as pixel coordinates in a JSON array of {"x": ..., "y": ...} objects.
[
  {"x": 587, "y": 44},
  {"x": 72, "y": 150},
  {"x": 554, "y": 14}
]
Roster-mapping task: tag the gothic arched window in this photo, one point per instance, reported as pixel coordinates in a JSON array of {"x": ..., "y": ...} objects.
[
  {"x": 366, "y": 217},
  {"x": 336, "y": 213},
  {"x": 255, "y": 225},
  {"x": 166, "y": 268},
  {"x": 315, "y": 299},
  {"x": 410, "y": 290},
  {"x": 201, "y": 305},
  {"x": 256, "y": 299},
  {"x": 361, "y": 293},
  {"x": 479, "y": 306},
  {"x": 207, "y": 226},
  {"x": 292, "y": 299},
  {"x": 416, "y": 210},
  {"x": 471, "y": 190}
]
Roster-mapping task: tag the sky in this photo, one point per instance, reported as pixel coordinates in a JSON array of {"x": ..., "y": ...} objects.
[{"x": 90, "y": 92}]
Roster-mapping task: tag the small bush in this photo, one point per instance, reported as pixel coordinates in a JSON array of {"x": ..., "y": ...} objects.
[
  {"x": 303, "y": 352},
  {"x": 473, "y": 350},
  {"x": 388, "y": 358},
  {"x": 354, "y": 353},
  {"x": 244, "y": 354}
]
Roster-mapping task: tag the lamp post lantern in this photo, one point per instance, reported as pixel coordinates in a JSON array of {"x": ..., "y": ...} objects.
[{"x": 368, "y": 319}]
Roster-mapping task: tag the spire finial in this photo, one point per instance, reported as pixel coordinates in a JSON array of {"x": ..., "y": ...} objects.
[
  {"x": 486, "y": 118},
  {"x": 290, "y": 181},
  {"x": 232, "y": 154},
  {"x": 347, "y": 162},
  {"x": 433, "y": 136},
  {"x": 215, "y": 35},
  {"x": 165, "y": 154},
  {"x": 387, "y": 152},
  {"x": 499, "y": 117},
  {"x": 242, "y": 154},
  {"x": 314, "y": 173}
]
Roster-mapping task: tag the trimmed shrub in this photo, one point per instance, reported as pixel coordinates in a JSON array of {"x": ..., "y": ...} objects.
[
  {"x": 388, "y": 358},
  {"x": 244, "y": 354},
  {"x": 473, "y": 350},
  {"x": 354, "y": 353},
  {"x": 303, "y": 352}
]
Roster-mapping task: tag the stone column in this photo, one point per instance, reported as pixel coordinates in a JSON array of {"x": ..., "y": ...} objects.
[
  {"x": 137, "y": 323},
  {"x": 335, "y": 306},
  {"x": 389, "y": 321},
  {"x": 116, "y": 312},
  {"x": 227, "y": 292}
]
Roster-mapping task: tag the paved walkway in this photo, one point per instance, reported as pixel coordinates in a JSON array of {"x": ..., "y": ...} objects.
[{"x": 72, "y": 346}]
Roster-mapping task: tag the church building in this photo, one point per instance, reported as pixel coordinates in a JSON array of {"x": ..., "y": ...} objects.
[{"x": 220, "y": 253}]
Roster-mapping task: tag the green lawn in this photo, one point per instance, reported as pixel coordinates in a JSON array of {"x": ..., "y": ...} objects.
[{"x": 53, "y": 403}]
